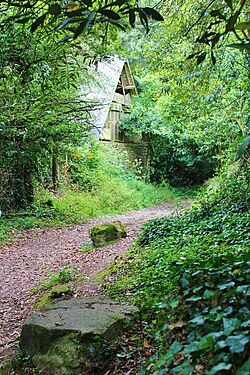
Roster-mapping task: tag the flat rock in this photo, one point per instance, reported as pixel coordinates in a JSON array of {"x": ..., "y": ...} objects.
[{"x": 72, "y": 329}]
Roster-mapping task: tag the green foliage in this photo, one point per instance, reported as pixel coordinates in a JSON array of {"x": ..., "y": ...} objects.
[
  {"x": 243, "y": 148},
  {"x": 92, "y": 177},
  {"x": 64, "y": 275},
  {"x": 190, "y": 141},
  {"x": 190, "y": 276},
  {"x": 182, "y": 162},
  {"x": 41, "y": 112},
  {"x": 194, "y": 116},
  {"x": 222, "y": 21},
  {"x": 99, "y": 174},
  {"x": 19, "y": 364},
  {"x": 57, "y": 291},
  {"x": 84, "y": 17}
]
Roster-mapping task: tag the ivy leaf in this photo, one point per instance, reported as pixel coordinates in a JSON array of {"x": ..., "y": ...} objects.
[
  {"x": 246, "y": 323},
  {"x": 166, "y": 359},
  {"x": 244, "y": 370},
  {"x": 176, "y": 347},
  {"x": 237, "y": 343},
  {"x": 208, "y": 294},
  {"x": 39, "y": 21},
  {"x": 185, "y": 368},
  {"x": 243, "y": 289},
  {"x": 230, "y": 324},
  {"x": 193, "y": 299},
  {"x": 153, "y": 14},
  {"x": 174, "y": 303},
  {"x": 244, "y": 145},
  {"x": 192, "y": 347},
  {"x": 221, "y": 366},
  {"x": 206, "y": 342},
  {"x": 220, "y": 344},
  {"x": 198, "y": 320},
  {"x": 226, "y": 285},
  {"x": 183, "y": 280}
]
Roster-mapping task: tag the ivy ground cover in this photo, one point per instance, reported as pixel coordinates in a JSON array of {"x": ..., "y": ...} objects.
[{"x": 190, "y": 277}]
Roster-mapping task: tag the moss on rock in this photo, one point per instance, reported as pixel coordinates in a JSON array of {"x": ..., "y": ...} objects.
[
  {"x": 66, "y": 356},
  {"x": 70, "y": 338},
  {"x": 104, "y": 233},
  {"x": 56, "y": 291}
]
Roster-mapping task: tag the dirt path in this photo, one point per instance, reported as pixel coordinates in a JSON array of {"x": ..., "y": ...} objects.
[{"x": 41, "y": 252}]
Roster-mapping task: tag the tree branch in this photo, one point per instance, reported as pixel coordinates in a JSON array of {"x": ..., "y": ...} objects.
[{"x": 200, "y": 17}]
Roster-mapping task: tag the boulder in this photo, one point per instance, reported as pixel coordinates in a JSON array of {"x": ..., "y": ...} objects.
[
  {"x": 69, "y": 338},
  {"x": 104, "y": 233}
]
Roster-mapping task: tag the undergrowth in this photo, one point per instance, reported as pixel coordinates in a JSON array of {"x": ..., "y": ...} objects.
[
  {"x": 95, "y": 183},
  {"x": 64, "y": 275},
  {"x": 190, "y": 277}
]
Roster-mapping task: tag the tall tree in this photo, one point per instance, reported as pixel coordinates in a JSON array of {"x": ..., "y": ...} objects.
[{"x": 41, "y": 110}]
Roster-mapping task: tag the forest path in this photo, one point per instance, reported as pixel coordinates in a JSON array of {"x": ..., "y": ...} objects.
[{"x": 28, "y": 260}]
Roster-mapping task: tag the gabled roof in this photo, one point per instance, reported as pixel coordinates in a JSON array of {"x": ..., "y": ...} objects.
[{"x": 107, "y": 74}]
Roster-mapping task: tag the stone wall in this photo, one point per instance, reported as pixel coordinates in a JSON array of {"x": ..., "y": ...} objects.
[{"x": 135, "y": 153}]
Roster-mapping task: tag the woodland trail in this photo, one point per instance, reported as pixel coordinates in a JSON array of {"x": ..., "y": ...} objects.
[{"x": 32, "y": 258}]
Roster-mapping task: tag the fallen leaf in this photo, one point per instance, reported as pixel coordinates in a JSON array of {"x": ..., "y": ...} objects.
[{"x": 176, "y": 325}]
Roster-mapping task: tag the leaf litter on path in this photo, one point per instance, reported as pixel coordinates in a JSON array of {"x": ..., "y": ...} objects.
[{"x": 28, "y": 260}]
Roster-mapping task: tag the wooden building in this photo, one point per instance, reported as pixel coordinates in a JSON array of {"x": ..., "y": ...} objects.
[
  {"x": 114, "y": 90},
  {"x": 120, "y": 105}
]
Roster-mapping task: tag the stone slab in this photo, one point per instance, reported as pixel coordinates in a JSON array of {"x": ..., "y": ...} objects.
[{"x": 87, "y": 316}]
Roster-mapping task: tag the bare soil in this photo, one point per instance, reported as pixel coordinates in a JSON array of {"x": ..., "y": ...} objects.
[{"x": 32, "y": 258}]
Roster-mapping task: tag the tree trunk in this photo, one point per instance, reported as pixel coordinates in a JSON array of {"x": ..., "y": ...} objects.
[{"x": 55, "y": 170}]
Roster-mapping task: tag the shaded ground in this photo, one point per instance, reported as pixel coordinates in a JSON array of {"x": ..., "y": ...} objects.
[{"x": 27, "y": 260}]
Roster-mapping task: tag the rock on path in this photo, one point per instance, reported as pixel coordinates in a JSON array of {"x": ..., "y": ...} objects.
[{"x": 27, "y": 260}]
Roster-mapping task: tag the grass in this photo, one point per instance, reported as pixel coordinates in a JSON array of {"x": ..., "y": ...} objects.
[
  {"x": 97, "y": 187},
  {"x": 72, "y": 206},
  {"x": 64, "y": 275}
]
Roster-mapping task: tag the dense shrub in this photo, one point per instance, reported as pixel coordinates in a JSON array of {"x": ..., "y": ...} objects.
[{"x": 181, "y": 162}]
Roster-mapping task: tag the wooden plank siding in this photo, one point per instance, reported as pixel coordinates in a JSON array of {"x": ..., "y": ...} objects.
[{"x": 120, "y": 106}]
